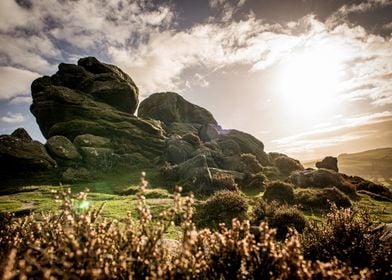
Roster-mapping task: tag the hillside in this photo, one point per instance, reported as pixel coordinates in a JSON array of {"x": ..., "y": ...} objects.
[{"x": 375, "y": 165}]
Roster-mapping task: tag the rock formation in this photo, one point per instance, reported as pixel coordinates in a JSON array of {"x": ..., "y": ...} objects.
[
  {"x": 97, "y": 99},
  {"x": 19, "y": 154},
  {"x": 328, "y": 163},
  {"x": 86, "y": 113}
]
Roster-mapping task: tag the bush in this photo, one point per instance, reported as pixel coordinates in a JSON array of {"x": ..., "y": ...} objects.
[
  {"x": 286, "y": 217},
  {"x": 347, "y": 236},
  {"x": 279, "y": 191},
  {"x": 286, "y": 165},
  {"x": 259, "y": 212},
  {"x": 221, "y": 181},
  {"x": 251, "y": 163},
  {"x": 271, "y": 172},
  {"x": 322, "y": 199},
  {"x": 192, "y": 139},
  {"x": 255, "y": 182},
  {"x": 77, "y": 243},
  {"x": 222, "y": 207}
]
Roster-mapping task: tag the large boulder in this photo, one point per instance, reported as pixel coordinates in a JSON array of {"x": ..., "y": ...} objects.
[
  {"x": 170, "y": 107},
  {"x": 323, "y": 178},
  {"x": 194, "y": 173},
  {"x": 328, "y": 163},
  {"x": 61, "y": 147},
  {"x": 18, "y": 155},
  {"x": 98, "y": 99},
  {"x": 234, "y": 142},
  {"x": 177, "y": 151}
]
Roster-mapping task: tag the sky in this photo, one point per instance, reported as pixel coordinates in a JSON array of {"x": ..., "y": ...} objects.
[{"x": 309, "y": 78}]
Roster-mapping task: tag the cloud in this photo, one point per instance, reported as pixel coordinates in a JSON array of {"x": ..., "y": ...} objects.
[
  {"x": 14, "y": 82},
  {"x": 363, "y": 7},
  {"x": 13, "y": 118},
  {"x": 350, "y": 129},
  {"x": 21, "y": 100}
]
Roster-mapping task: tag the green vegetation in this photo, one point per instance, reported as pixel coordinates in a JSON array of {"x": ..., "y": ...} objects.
[{"x": 76, "y": 242}]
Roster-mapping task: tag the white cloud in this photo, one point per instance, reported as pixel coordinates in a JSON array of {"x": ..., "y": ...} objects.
[
  {"x": 14, "y": 82},
  {"x": 13, "y": 118},
  {"x": 21, "y": 100},
  {"x": 334, "y": 136}
]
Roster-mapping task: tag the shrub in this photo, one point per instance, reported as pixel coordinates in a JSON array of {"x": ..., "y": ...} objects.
[
  {"x": 286, "y": 165},
  {"x": 77, "y": 243},
  {"x": 286, "y": 217},
  {"x": 222, "y": 207},
  {"x": 255, "y": 182},
  {"x": 347, "y": 236},
  {"x": 221, "y": 181},
  {"x": 321, "y": 199},
  {"x": 279, "y": 191},
  {"x": 259, "y": 211},
  {"x": 192, "y": 139},
  {"x": 251, "y": 163},
  {"x": 271, "y": 172}
]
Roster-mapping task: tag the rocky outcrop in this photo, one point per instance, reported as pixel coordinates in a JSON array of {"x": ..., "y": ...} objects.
[
  {"x": 170, "y": 107},
  {"x": 18, "y": 155},
  {"x": 98, "y": 99},
  {"x": 323, "y": 178},
  {"x": 61, "y": 147},
  {"x": 328, "y": 163}
]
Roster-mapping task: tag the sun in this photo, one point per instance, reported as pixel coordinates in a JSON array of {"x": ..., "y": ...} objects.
[{"x": 309, "y": 81}]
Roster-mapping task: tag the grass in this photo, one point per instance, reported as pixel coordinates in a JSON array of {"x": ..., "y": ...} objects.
[{"x": 119, "y": 194}]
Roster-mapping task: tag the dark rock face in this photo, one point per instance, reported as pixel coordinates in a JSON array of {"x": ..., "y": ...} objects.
[
  {"x": 170, "y": 107},
  {"x": 18, "y": 155},
  {"x": 98, "y": 99},
  {"x": 22, "y": 134},
  {"x": 328, "y": 163}
]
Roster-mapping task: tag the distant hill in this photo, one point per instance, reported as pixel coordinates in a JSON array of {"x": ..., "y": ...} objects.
[{"x": 375, "y": 165}]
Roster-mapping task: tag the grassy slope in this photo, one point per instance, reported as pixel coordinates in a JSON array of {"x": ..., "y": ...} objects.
[{"x": 158, "y": 196}]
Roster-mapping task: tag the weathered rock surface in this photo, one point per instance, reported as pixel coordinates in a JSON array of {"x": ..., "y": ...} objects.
[
  {"x": 89, "y": 140},
  {"x": 170, "y": 107},
  {"x": 194, "y": 172},
  {"x": 98, "y": 99},
  {"x": 22, "y": 134},
  {"x": 323, "y": 178},
  {"x": 61, "y": 147},
  {"x": 328, "y": 163},
  {"x": 18, "y": 155}
]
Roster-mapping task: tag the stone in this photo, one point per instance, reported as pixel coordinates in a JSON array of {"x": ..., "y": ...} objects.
[
  {"x": 22, "y": 134},
  {"x": 208, "y": 132},
  {"x": 180, "y": 129},
  {"x": 328, "y": 163},
  {"x": 101, "y": 158},
  {"x": 62, "y": 147},
  {"x": 89, "y": 140},
  {"x": 19, "y": 155},
  {"x": 246, "y": 143},
  {"x": 323, "y": 178},
  {"x": 195, "y": 172},
  {"x": 76, "y": 175},
  {"x": 170, "y": 107},
  {"x": 98, "y": 99},
  {"x": 178, "y": 150}
]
